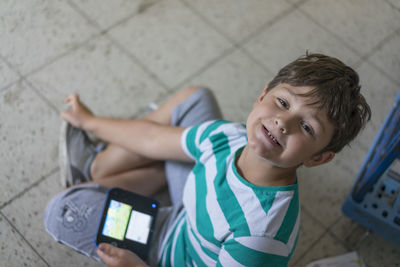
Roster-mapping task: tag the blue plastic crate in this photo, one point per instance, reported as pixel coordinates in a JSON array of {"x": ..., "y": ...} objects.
[{"x": 375, "y": 197}]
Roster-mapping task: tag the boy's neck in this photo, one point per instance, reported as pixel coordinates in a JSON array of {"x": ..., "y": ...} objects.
[{"x": 261, "y": 172}]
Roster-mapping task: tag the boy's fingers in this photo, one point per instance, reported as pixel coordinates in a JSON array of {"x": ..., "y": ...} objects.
[
  {"x": 72, "y": 97},
  {"x": 104, "y": 256},
  {"x": 106, "y": 248},
  {"x": 108, "y": 254}
]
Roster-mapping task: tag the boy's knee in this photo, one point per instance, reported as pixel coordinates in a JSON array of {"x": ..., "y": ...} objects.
[
  {"x": 188, "y": 91},
  {"x": 96, "y": 172}
]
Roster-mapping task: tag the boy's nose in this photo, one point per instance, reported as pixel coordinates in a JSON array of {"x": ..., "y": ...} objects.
[{"x": 282, "y": 125}]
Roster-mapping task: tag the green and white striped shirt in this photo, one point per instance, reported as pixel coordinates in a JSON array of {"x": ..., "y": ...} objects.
[{"x": 226, "y": 221}]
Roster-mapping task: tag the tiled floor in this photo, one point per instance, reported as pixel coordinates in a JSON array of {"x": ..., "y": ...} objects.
[{"x": 120, "y": 55}]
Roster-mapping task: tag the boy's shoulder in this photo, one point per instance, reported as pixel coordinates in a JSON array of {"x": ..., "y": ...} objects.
[
  {"x": 217, "y": 126},
  {"x": 218, "y": 132}
]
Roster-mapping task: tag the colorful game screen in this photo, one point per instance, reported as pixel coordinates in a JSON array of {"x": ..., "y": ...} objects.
[{"x": 117, "y": 220}]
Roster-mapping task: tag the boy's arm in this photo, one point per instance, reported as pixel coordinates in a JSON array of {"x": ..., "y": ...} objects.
[{"x": 147, "y": 138}]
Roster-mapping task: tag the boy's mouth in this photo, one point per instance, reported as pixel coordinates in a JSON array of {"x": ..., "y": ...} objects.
[{"x": 273, "y": 138}]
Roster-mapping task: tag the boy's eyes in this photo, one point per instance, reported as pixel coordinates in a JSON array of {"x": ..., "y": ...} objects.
[
  {"x": 283, "y": 103},
  {"x": 306, "y": 127}
]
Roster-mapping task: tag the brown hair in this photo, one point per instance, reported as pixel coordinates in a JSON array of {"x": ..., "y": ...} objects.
[{"x": 336, "y": 90}]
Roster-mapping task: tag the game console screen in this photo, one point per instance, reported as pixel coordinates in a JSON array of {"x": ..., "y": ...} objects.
[
  {"x": 116, "y": 220},
  {"x": 120, "y": 216},
  {"x": 139, "y": 227}
]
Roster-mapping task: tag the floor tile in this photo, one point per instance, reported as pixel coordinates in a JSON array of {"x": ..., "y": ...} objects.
[
  {"x": 380, "y": 93},
  {"x": 107, "y": 80},
  {"x": 223, "y": 15},
  {"x": 291, "y": 38},
  {"x": 351, "y": 20},
  {"x": 310, "y": 232},
  {"x": 326, "y": 247},
  {"x": 377, "y": 251},
  {"x": 28, "y": 219},
  {"x": 106, "y": 13},
  {"x": 237, "y": 82},
  {"x": 323, "y": 190},
  {"x": 351, "y": 157},
  {"x": 350, "y": 232},
  {"x": 14, "y": 250},
  {"x": 296, "y": 2},
  {"x": 58, "y": 25},
  {"x": 171, "y": 41},
  {"x": 388, "y": 58},
  {"x": 29, "y": 134},
  {"x": 7, "y": 75},
  {"x": 395, "y": 3}
]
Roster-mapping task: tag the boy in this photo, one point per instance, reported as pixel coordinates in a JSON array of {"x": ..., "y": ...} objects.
[{"x": 240, "y": 199}]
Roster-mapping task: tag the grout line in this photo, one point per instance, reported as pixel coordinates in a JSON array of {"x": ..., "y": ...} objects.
[
  {"x": 100, "y": 33},
  {"x": 49, "y": 61},
  {"x": 137, "y": 62},
  {"x": 235, "y": 45},
  {"x": 14, "y": 69},
  {"x": 213, "y": 62},
  {"x": 64, "y": 54},
  {"x": 209, "y": 23},
  {"x": 41, "y": 96},
  {"x": 11, "y": 66},
  {"x": 360, "y": 240},
  {"x": 8, "y": 86},
  {"x": 363, "y": 58},
  {"x": 303, "y": 208},
  {"x": 342, "y": 242},
  {"x": 334, "y": 223},
  {"x": 104, "y": 32},
  {"x": 310, "y": 247},
  {"x": 392, "y": 5},
  {"x": 28, "y": 188},
  {"x": 298, "y": 3},
  {"x": 376, "y": 48},
  {"x": 259, "y": 63},
  {"x": 380, "y": 45},
  {"x": 83, "y": 14},
  {"x": 333, "y": 34},
  {"x": 274, "y": 20},
  {"x": 23, "y": 238},
  {"x": 381, "y": 71},
  {"x": 56, "y": 57},
  {"x": 140, "y": 9}
]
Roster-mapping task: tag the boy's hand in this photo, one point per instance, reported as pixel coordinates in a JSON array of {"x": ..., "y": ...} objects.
[
  {"x": 117, "y": 257},
  {"x": 79, "y": 114}
]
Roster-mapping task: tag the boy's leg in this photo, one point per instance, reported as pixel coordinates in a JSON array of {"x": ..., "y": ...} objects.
[{"x": 116, "y": 166}]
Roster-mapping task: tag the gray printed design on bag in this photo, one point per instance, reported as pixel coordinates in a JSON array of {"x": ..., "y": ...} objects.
[{"x": 74, "y": 217}]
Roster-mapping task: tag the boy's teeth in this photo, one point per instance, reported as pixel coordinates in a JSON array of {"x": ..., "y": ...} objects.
[{"x": 270, "y": 135}]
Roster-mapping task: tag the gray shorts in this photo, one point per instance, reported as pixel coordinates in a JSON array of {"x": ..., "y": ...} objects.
[{"x": 72, "y": 216}]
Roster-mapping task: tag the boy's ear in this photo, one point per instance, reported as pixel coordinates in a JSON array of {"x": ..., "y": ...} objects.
[
  {"x": 319, "y": 159},
  {"x": 264, "y": 92}
]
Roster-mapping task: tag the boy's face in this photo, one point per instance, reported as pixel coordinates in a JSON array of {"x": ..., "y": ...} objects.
[{"x": 286, "y": 131}]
